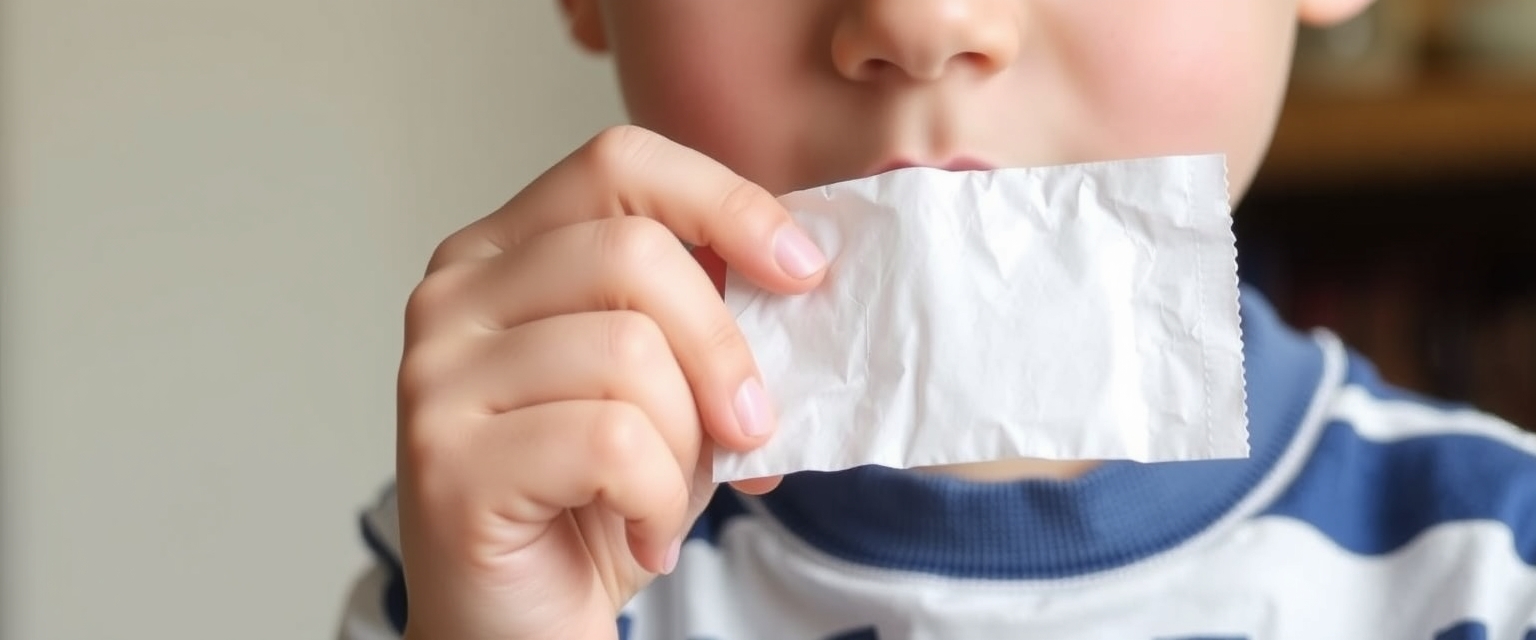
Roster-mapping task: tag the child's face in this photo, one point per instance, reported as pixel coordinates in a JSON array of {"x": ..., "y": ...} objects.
[{"x": 795, "y": 93}]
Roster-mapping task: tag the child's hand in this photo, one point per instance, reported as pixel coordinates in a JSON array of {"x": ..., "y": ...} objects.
[{"x": 564, "y": 359}]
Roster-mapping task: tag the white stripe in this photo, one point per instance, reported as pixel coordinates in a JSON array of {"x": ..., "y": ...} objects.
[
  {"x": 1271, "y": 578},
  {"x": 384, "y": 521},
  {"x": 1465, "y": 570},
  {"x": 1388, "y": 420},
  {"x": 364, "y": 618}
]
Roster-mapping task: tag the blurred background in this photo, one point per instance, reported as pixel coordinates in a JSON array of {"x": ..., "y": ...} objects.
[
  {"x": 1398, "y": 203},
  {"x": 211, "y": 212}
]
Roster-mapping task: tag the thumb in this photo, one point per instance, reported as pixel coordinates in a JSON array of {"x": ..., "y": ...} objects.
[
  {"x": 794, "y": 252},
  {"x": 715, "y": 267}
]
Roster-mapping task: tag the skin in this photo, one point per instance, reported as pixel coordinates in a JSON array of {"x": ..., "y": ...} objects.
[{"x": 568, "y": 364}]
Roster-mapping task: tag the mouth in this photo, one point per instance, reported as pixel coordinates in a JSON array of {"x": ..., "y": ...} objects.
[{"x": 954, "y": 164}]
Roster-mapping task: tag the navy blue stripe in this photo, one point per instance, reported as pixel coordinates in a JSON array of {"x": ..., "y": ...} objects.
[
  {"x": 394, "y": 600},
  {"x": 1373, "y": 497},
  {"x": 1464, "y": 631}
]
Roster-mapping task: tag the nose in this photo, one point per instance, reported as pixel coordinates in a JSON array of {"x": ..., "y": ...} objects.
[{"x": 924, "y": 40}]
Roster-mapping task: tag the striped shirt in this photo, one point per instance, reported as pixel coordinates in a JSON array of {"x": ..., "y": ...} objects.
[{"x": 1363, "y": 511}]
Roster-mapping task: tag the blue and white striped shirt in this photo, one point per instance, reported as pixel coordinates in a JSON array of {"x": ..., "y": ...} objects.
[{"x": 1362, "y": 512}]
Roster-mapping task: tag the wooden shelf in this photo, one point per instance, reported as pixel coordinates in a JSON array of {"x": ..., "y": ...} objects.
[{"x": 1439, "y": 128}]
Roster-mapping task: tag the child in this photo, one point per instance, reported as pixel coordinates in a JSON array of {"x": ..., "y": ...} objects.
[{"x": 568, "y": 365}]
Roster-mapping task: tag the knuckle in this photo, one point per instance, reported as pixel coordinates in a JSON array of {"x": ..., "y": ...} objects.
[
  {"x": 482, "y": 239},
  {"x": 616, "y": 151},
  {"x": 421, "y": 367},
  {"x": 634, "y": 341},
  {"x": 741, "y": 199},
  {"x": 630, "y": 244},
  {"x": 618, "y": 431},
  {"x": 434, "y": 294},
  {"x": 431, "y": 415},
  {"x": 445, "y": 252}
]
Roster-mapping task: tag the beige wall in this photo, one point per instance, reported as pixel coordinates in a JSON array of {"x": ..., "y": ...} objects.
[{"x": 213, "y": 210}]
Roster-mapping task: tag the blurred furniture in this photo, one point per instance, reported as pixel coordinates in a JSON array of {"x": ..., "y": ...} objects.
[{"x": 1399, "y": 210}]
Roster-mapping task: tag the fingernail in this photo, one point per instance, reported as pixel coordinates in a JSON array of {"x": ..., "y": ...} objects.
[
  {"x": 673, "y": 552},
  {"x": 751, "y": 406},
  {"x": 796, "y": 254}
]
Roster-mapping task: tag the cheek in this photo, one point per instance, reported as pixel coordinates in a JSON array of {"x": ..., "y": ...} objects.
[
  {"x": 715, "y": 80},
  {"x": 1194, "y": 80}
]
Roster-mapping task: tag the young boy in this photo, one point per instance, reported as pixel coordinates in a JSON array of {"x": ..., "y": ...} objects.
[{"x": 568, "y": 366}]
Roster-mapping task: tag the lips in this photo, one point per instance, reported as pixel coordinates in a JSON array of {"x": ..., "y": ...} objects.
[{"x": 954, "y": 164}]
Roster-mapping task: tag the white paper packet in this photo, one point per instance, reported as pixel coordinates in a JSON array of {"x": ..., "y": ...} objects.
[{"x": 1082, "y": 312}]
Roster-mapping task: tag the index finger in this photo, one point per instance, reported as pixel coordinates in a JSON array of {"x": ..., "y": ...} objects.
[{"x": 628, "y": 170}]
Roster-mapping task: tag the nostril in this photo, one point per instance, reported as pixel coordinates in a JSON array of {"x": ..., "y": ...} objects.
[
  {"x": 876, "y": 68},
  {"x": 974, "y": 60},
  {"x": 922, "y": 40},
  {"x": 971, "y": 58}
]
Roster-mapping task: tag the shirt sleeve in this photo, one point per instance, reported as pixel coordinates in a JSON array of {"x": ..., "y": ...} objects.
[
  {"x": 366, "y": 616},
  {"x": 376, "y": 607}
]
